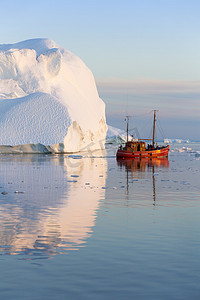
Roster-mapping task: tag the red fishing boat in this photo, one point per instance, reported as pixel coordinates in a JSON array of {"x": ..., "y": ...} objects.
[{"x": 139, "y": 148}]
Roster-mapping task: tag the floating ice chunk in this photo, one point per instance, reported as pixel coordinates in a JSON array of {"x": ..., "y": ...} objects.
[
  {"x": 72, "y": 180},
  {"x": 75, "y": 156}
]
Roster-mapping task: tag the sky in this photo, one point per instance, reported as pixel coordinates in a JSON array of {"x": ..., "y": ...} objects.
[{"x": 144, "y": 54}]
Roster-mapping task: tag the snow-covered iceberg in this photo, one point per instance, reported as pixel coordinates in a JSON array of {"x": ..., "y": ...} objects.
[{"x": 49, "y": 96}]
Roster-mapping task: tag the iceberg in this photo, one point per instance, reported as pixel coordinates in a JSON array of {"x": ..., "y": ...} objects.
[
  {"x": 48, "y": 96},
  {"x": 117, "y": 136},
  {"x": 176, "y": 141}
]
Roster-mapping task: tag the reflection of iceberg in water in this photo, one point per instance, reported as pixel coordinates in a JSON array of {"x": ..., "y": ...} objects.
[
  {"x": 58, "y": 209},
  {"x": 77, "y": 216}
]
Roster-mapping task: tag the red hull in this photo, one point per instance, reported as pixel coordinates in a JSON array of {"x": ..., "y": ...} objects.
[{"x": 143, "y": 154}]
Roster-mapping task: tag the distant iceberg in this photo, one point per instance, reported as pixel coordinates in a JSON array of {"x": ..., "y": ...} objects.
[
  {"x": 48, "y": 96},
  {"x": 116, "y": 135},
  {"x": 175, "y": 141}
]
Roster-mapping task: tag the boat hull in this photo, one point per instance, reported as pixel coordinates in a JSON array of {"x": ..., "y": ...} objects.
[{"x": 157, "y": 153}]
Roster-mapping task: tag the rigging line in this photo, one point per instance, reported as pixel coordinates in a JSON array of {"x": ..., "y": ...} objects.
[
  {"x": 135, "y": 132},
  {"x": 146, "y": 124},
  {"x": 160, "y": 131},
  {"x": 137, "y": 116},
  {"x": 159, "y": 123},
  {"x": 151, "y": 132},
  {"x": 132, "y": 129},
  {"x": 123, "y": 132}
]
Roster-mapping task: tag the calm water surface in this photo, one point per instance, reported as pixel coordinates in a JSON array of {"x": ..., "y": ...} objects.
[{"x": 96, "y": 228}]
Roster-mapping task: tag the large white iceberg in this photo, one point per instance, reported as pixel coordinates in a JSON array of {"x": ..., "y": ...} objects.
[{"x": 48, "y": 96}]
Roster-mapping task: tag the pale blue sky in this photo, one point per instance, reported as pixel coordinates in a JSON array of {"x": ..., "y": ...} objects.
[
  {"x": 125, "y": 39},
  {"x": 131, "y": 39}
]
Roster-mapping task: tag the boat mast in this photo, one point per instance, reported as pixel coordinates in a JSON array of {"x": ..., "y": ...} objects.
[
  {"x": 154, "y": 126},
  {"x": 127, "y": 119}
]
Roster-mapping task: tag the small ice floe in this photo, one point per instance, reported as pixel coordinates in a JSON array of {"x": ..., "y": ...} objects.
[
  {"x": 183, "y": 150},
  {"x": 189, "y": 150},
  {"x": 185, "y": 183},
  {"x": 197, "y": 153},
  {"x": 72, "y": 180},
  {"x": 75, "y": 156},
  {"x": 4, "y": 193}
]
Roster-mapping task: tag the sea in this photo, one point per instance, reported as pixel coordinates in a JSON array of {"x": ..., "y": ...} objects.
[{"x": 88, "y": 226}]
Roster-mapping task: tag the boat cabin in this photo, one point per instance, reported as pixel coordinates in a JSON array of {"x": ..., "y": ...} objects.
[{"x": 135, "y": 146}]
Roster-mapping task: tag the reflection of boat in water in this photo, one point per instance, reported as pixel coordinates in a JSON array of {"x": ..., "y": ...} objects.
[
  {"x": 139, "y": 149},
  {"x": 133, "y": 166},
  {"x": 143, "y": 163}
]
